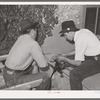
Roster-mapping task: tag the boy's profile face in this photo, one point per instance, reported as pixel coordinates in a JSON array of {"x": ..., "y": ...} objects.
[
  {"x": 69, "y": 37},
  {"x": 33, "y": 33}
]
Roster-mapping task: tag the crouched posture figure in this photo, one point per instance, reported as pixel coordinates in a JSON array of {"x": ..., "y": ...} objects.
[
  {"x": 87, "y": 53},
  {"x": 18, "y": 65}
]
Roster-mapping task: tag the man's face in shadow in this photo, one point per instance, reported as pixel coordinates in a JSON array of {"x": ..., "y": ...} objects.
[{"x": 69, "y": 37}]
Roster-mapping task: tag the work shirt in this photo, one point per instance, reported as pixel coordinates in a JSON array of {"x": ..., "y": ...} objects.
[
  {"x": 24, "y": 52},
  {"x": 86, "y": 44}
]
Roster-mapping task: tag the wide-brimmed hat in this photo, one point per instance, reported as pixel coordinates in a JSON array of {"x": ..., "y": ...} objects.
[
  {"x": 27, "y": 23},
  {"x": 68, "y": 26}
]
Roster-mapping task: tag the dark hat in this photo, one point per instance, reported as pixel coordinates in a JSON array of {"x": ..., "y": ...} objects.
[
  {"x": 27, "y": 23},
  {"x": 68, "y": 26}
]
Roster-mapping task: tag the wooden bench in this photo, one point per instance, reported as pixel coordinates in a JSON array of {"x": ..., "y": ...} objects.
[
  {"x": 25, "y": 86},
  {"x": 89, "y": 83},
  {"x": 66, "y": 73}
]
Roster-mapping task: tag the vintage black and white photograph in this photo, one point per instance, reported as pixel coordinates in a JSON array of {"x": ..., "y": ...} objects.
[{"x": 50, "y": 47}]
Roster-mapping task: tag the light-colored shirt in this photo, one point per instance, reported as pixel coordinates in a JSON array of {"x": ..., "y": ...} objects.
[
  {"x": 86, "y": 44},
  {"x": 24, "y": 52}
]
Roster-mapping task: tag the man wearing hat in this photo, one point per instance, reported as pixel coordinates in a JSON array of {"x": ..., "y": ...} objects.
[
  {"x": 25, "y": 51},
  {"x": 87, "y": 53}
]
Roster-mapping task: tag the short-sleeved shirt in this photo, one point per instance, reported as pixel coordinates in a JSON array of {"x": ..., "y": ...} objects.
[
  {"x": 24, "y": 52},
  {"x": 86, "y": 44}
]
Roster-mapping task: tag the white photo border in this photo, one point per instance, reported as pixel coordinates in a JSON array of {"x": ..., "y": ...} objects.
[{"x": 4, "y": 94}]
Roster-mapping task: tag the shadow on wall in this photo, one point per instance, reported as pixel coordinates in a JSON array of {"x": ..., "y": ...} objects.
[{"x": 56, "y": 44}]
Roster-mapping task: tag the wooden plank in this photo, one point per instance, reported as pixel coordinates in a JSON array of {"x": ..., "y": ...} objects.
[
  {"x": 3, "y": 57},
  {"x": 92, "y": 82},
  {"x": 25, "y": 86},
  {"x": 66, "y": 74},
  {"x": 1, "y": 65}
]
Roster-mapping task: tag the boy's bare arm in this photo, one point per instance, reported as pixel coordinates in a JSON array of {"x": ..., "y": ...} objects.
[{"x": 69, "y": 53}]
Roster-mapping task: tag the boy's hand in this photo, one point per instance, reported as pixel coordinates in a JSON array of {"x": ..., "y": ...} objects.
[
  {"x": 64, "y": 55},
  {"x": 60, "y": 58},
  {"x": 53, "y": 58}
]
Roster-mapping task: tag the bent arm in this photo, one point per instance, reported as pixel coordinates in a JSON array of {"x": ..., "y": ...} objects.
[
  {"x": 69, "y": 53},
  {"x": 72, "y": 62},
  {"x": 40, "y": 59},
  {"x": 38, "y": 56}
]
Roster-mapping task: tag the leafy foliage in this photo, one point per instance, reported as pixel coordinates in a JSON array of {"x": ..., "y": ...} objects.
[
  {"x": 69, "y": 12},
  {"x": 12, "y": 15}
]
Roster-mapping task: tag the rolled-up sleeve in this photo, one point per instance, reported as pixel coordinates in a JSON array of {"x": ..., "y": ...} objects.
[{"x": 38, "y": 56}]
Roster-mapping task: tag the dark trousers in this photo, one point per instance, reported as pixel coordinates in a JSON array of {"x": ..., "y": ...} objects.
[
  {"x": 86, "y": 69},
  {"x": 13, "y": 78}
]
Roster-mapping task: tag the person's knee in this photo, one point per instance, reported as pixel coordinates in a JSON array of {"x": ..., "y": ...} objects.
[{"x": 75, "y": 74}]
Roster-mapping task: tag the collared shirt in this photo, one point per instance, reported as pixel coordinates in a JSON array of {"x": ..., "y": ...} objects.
[
  {"x": 86, "y": 44},
  {"x": 24, "y": 52}
]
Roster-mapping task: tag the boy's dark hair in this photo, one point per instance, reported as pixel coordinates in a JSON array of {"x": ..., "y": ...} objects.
[
  {"x": 28, "y": 24},
  {"x": 35, "y": 27}
]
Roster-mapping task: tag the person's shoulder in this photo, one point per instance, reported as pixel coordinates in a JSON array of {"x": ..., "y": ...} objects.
[
  {"x": 35, "y": 43},
  {"x": 84, "y": 30},
  {"x": 82, "y": 34},
  {"x": 21, "y": 36}
]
